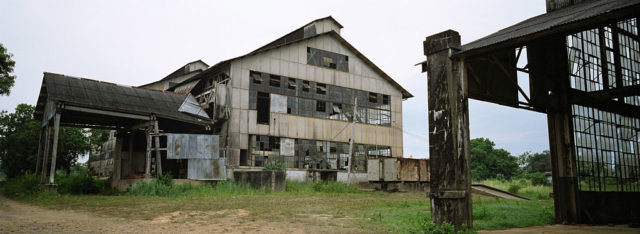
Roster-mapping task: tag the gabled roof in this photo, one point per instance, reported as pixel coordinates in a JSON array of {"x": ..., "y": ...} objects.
[
  {"x": 290, "y": 39},
  {"x": 178, "y": 72},
  {"x": 108, "y": 96},
  {"x": 564, "y": 20}
]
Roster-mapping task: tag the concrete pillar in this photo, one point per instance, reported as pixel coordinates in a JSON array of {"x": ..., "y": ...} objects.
[
  {"x": 45, "y": 154},
  {"x": 448, "y": 131}
]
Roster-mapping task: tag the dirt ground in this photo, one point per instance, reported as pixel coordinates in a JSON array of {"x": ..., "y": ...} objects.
[
  {"x": 568, "y": 229},
  {"x": 16, "y": 217}
]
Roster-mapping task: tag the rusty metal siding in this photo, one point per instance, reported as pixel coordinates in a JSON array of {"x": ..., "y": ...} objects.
[
  {"x": 390, "y": 169},
  {"x": 207, "y": 169},
  {"x": 409, "y": 169},
  {"x": 192, "y": 146},
  {"x": 424, "y": 171}
]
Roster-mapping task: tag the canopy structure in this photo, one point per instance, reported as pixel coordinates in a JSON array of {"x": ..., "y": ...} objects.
[{"x": 80, "y": 102}]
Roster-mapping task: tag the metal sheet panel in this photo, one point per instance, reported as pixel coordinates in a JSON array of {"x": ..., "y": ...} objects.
[
  {"x": 191, "y": 106},
  {"x": 424, "y": 170},
  {"x": 278, "y": 103},
  {"x": 390, "y": 169},
  {"x": 287, "y": 147},
  {"x": 207, "y": 169},
  {"x": 409, "y": 169},
  {"x": 373, "y": 170},
  {"x": 192, "y": 146}
]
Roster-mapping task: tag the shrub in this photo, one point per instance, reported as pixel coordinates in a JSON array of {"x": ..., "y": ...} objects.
[
  {"x": 21, "y": 186},
  {"x": 334, "y": 187},
  {"x": 82, "y": 184},
  {"x": 539, "y": 179},
  {"x": 445, "y": 228},
  {"x": 275, "y": 166},
  {"x": 514, "y": 188}
]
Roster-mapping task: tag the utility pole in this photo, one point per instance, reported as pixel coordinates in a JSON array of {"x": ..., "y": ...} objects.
[{"x": 353, "y": 132}]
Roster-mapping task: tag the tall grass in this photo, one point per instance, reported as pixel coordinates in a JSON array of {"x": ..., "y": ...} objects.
[
  {"x": 524, "y": 188},
  {"x": 21, "y": 186}
]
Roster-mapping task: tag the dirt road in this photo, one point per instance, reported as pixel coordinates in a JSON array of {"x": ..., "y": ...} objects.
[{"x": 16, "y": 217}]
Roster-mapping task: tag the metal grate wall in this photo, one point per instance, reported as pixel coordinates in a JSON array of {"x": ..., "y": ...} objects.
[{"x": 606, "y": 144}]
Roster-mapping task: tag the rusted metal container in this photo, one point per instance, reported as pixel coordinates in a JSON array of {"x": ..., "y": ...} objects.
[{"x": 398, "y": 170}]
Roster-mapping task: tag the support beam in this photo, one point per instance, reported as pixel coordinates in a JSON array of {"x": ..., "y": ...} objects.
[
  {"x": 54, "y": 148},
  {"x": 147, "y": 167},
  {"x": 448, "y": 131},
  {"x": 45, "y": 154},
  {"x": 39, "y": 152},
  {"x": 156, "y": 136},
  {"x": 106, "y": 112}
]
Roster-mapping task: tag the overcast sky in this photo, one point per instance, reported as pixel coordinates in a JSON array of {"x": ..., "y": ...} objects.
[{"x": 136, "y": 42}]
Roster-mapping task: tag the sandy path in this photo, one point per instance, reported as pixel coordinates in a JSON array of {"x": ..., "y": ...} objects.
[
  {"x": 568, "y": 229},
  {"x": 17, "y": 217}
]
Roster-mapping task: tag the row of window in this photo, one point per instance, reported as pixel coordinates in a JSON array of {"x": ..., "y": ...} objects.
[
  {"x": 271, "y": 83},
  {"x": 301, "y": 153},
  {"x": 327, "y": 59}
]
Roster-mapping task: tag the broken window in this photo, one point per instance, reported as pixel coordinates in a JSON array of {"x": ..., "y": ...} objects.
[
  {"x": 291, "y": 84},
  {"x": 252, "y": 99},
  {"x": 321, "y": 109},
  {"x": 321, "y": 89},
  {"x": 256, "y": 77},
  {"x": 373, "y": 97},
  {"x": 274, "y": 81},
  {"x": 336, "y": 111},
  {"x": 373, "y": 116},
  {"x": 306, "y": 86},
  {"x": 292, "y": 105},
  {"x": 385, "y": 118},
  {"x": 327, "y": 59},
  {"x": 262, "y": 105}
]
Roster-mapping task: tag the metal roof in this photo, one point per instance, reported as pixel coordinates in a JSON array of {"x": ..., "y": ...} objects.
[
  {"x": 560, "y": 19},
  {"x": 108, "y": 96},
  {"x": 295, "y": 37}
]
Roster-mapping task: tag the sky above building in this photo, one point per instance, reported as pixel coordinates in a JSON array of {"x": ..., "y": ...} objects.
[{"x": 137, "y": 42}]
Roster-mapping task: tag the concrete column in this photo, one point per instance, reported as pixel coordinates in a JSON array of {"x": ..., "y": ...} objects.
[
  {"x": 45, "y": 159},
  {"x": 448, "y": 131},
  {"x": 39, "y": 151}
]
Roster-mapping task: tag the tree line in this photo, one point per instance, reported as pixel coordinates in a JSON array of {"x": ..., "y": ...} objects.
[{"x": 489, "y": 162}]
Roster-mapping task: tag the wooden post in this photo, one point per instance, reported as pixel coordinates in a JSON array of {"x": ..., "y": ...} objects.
[
  {"x": 147, "y": 170},
  {"x": 54, "y": 148},
  {"x": 448, "y": 131},
  {"x": 39, "y": 151},
  {"x": 156, "y": 132},
  {"x": 45, "y": 155},
  {"x": 353, "y": 132}
]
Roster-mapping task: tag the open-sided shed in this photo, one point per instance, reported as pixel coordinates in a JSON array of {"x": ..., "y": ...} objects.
[
  {"x": 79, "y": 102},
  {"x": 581, "y": 61}
]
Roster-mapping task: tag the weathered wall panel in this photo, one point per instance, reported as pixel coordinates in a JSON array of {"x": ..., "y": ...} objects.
[
  {"x": 191, "y": 146},
  {"x": 207, "y": 169}
]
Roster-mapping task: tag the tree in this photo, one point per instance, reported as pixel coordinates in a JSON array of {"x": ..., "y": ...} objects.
[
  {"x": 538, "y": 162},
  {"x": 488, "y": 162},
  {"x": 6, "y": 67},
  {"x": 19, "y": 135}
]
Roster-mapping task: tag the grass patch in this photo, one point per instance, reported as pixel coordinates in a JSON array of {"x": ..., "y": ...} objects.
[
  {"x": 521, "y": 187},
  {"x": 337, "y": 206},
  {"x": 492, "y": 213}
]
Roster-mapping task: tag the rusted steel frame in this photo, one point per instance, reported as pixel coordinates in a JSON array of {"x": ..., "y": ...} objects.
[
  {"x": 54, "y": 148},
  {"x": 519, "y": 53},
  {"x": 616, "y": 57},
  {"x": 511, "y": 78}
]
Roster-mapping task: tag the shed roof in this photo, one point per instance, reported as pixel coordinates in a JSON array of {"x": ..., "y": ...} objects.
[
  {"x": 563, "y": 20},
  {"x": 108, "y": 96}
]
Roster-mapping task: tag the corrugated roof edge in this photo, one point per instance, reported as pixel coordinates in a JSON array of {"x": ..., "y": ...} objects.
[
  {"x": 471, "y": 48},
  {"x": 48, "y": 74}
]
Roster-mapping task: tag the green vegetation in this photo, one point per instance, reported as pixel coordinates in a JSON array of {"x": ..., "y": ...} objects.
[
  {"x": 316, "y": 204},
  {"x": 19, "y": 136},
  {"x": 6, "y": 68},
  {"x": 488, "y": 162},
  {"x": 275, "y": 166}
]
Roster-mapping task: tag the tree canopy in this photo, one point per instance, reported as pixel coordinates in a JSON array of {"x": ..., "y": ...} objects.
[
  {"x": 537, "y": 162},
  {"x": 487, "y": 162},
  {"x": 6, "y": 68},
  {"x": 19, "y": 135}
]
